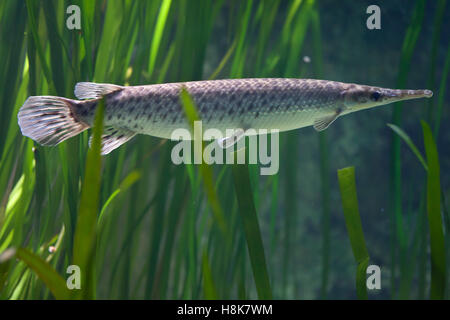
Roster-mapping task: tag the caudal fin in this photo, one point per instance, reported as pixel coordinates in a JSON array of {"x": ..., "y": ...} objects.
[{"x": 49, "y": 120}]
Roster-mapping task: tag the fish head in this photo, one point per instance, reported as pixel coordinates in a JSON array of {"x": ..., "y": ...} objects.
[{"x": 364, "y": 97}]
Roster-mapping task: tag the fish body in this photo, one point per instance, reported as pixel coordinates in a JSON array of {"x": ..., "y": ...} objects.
[{"x": 268, "y": 103}]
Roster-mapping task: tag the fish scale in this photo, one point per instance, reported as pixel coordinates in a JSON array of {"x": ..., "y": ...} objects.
[{"x": 258, "y": 103}]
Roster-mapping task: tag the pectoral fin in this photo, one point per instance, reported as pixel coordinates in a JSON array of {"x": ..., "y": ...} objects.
[
  {"x": 324, "y": 122},
  {"x": 113, "y": 138}
]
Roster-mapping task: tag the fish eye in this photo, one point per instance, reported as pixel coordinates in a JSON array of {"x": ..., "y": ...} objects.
[{"x": 375, "y": 96}]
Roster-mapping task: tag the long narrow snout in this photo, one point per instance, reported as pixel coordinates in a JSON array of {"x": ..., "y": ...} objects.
[
  {"x": 393, "y": 95},
  {"x": 365, "y": 97}
]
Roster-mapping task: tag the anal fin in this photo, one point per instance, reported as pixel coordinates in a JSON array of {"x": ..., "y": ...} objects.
[{"x": 113, "y": 138}]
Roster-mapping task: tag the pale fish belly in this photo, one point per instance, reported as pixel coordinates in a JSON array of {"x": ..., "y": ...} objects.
[{"x": 282, "y": 122}]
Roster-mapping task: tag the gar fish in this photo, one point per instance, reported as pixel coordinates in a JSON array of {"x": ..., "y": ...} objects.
[{"x": 156, "y": 110}]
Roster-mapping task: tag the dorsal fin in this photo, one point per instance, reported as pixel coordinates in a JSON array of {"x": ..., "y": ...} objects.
[{"x": 92, "y": 90}]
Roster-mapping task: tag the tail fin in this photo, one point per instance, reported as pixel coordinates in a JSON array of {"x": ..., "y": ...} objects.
[{"x": 49, "y": 120}]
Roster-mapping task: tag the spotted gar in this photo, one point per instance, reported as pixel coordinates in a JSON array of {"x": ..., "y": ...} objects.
[{"x": 273, "y": 103}]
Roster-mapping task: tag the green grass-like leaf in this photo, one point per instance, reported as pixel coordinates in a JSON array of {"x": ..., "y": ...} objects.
[
  {"x": 129, "y": 180},
  {"x": 437, "y": 244},
  {"x": 206, "y": 171},
  {"x": 86, "y": 229},
  {"x": 40, "y": 50},
  {"x": 157, "y": 34},
  {"x": 208, "y": 283},
  {"x": 443, "y": 88},
  {"x": 251, "y": 228},
  {"x": 45, "y": 272},
  {"x": 349, "y": 199},
  {"x": 402, "y": 134}
]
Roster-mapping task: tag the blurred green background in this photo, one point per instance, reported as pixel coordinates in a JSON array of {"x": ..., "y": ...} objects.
[{"x": 162, "y": 231}]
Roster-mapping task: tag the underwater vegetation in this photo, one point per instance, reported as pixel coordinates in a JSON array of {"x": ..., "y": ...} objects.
[{"x": 372, "y": 190}]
